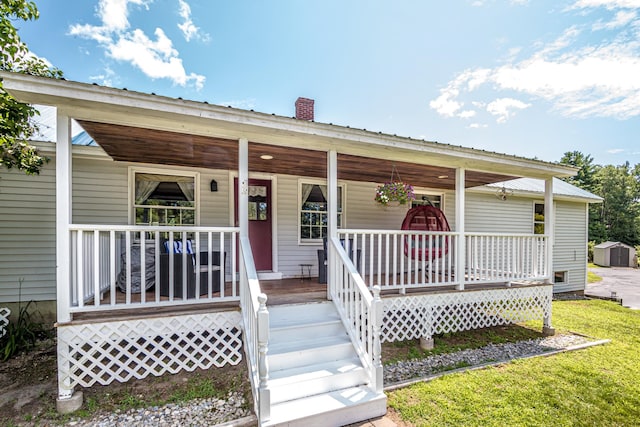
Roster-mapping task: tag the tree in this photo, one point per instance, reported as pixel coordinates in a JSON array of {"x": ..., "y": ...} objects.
[
  {"x": 620, "y": 211},
  {"x": 16, "y": 118},
  {"x": 586, "y": 176}
]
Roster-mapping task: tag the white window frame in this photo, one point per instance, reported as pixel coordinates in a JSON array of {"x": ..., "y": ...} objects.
[
  {"x": 426, "y": 192},
  {"x": 161, "y": 171},
  {"x": 342, "y": 185},
  {"x": 565, "y": 275},
  {"x": 533, "y": 218}
]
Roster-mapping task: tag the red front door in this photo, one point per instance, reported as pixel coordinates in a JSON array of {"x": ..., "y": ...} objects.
[{"x": 259, "y": 221}]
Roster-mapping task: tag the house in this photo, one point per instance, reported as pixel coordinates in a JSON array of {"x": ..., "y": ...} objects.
[
  {"x": 166, "y": 245},
  {"x": 614, "y": 254}
]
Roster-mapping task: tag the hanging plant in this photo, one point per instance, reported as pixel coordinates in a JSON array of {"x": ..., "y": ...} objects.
[{"x": 395, "y": 191}]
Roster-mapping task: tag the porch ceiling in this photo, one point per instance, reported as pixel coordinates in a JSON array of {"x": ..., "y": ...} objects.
[{"x": 133, "y": 144}]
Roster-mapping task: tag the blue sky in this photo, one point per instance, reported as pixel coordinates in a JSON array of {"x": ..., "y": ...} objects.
[{"x": 530, "y": 78}]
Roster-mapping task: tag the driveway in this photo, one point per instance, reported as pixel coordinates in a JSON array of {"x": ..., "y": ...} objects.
[{"x": 625, "y": 282}]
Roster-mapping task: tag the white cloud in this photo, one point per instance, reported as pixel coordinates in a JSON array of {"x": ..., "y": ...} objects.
[
  {"x": 575, "y": 75},
  {"x": 504, "y": 108},
  {"x": 467, "y": 114},
  {"x": 608, "y": 4},
  {"x": 621, "y": 19},
  {"x": 188, "y": 28},
  {"x": 478, "y": 126},
  {"x": 155, "y": 58},
  {"x": 615, "y": 151}
]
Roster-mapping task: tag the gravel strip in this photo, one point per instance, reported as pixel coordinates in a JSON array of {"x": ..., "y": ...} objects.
[
  {"x": 197, "y": 412},
  {"x": 208, "y": 412},
  {"x": 406, "y": 370}
]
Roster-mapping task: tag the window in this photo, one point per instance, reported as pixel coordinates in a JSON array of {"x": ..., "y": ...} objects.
[
  {"x": 164, "y": 199},
  {"x": 538, "y": 218},
  {"x": 313, "y": 211},
  {"x": 427, "y": 199},
  {"x": 560, "y": 277}
]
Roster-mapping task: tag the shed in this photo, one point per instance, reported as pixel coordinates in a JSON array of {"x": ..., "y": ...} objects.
[{"x": 614, "y": 254}]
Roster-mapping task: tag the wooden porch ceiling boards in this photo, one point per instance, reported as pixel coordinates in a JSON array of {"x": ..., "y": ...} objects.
[{"x": 132, "y": 144}]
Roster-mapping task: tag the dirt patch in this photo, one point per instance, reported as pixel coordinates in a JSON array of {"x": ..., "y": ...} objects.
[{"x": 29, "y": 388}]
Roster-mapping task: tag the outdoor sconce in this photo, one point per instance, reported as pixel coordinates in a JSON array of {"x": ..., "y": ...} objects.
[
  {"x": 214, "y": 186},
  {"x": 503, "y": 193}
]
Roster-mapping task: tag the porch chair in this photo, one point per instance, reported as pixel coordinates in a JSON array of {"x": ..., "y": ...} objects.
[
  {"x": 189, "y": 265},
  {"x": 322, "y": 258}
]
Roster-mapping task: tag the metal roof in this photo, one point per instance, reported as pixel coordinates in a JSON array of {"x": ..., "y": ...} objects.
[{"x": 532, "y": 185}]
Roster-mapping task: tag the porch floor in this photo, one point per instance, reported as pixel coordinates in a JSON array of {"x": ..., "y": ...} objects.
[{"x": 279, "y": 292}]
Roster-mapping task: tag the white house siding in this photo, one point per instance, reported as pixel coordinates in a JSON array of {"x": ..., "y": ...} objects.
[
  {"x": 361, "y": 212},
  {"x": 570, "y": 250},
  {"x": 100, "y": 191},
  {"x": 486, "y": 213},
  {"x": 27, "y": 234}
]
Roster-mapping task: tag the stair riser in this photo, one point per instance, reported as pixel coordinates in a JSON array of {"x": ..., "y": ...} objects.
[
  {"x": 296, "y": 359},
  {"x": 334, "y": 418},
  {"x": 316, "y": 386},
  {"x": 305, "y": 332}
]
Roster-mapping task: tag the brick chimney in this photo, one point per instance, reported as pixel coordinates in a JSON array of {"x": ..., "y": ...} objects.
[{"x": 304, "y": 109}]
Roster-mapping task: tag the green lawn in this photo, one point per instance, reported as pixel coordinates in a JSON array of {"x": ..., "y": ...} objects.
[{"x": 599, "y": 386}]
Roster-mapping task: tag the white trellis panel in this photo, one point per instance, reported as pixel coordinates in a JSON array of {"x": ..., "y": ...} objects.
[
  {"x": 410, "y": 317},
  {"x": 4, "y": 320},
  {"x": 121, "y": 350}
]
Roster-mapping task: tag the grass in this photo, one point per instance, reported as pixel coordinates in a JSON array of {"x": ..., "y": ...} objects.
[
  {"x": 591, "y": 387},
  {"x": 593, "y": 277}
]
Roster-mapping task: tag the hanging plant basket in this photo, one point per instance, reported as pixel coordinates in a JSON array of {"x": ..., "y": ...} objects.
[{"x": 395, "y": 192}]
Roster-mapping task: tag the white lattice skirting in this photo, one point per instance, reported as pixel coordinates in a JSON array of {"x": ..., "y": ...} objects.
[
  {"x": 121, "y": 350},
  {"x": 410, "y": 317},
  {"x": 4, "y": 320}
]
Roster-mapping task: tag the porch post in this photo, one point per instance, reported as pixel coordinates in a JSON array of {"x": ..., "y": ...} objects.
[
  {"x": 63, "y": 216},
  {"x": 67, "y": 400},
  {"x": 550, "y": 231},
  {"x": 549, "y": 228},
  {"x": 332, "y": 211},
  {"x": 243, "y": 186},
  {"x": 461, "y": 242}
]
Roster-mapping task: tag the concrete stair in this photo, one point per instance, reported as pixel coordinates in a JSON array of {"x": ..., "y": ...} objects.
[{"x": 315, "y": 375}]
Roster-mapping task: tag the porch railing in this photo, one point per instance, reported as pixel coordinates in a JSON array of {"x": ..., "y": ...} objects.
[
  {"x": 360, "y": 311},
  {"x": 128, "y": 267},
  {"x": 505, "y": 257},
  {"x": 255, "y": 318},
  {"x": 397, "y": 259}
]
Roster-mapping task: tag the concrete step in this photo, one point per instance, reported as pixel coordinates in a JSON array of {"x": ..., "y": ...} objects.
[
  {"x": 336, "y": 408},
  {"x": 295, "y": 383}
]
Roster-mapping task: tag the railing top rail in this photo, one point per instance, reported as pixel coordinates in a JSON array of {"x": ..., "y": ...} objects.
[
  {"x": 351, "y": 269},
  {"x": 435, "y": 233},
  {"x": 252, "y": 274},
  {"x": 398, "y": 232},
  {"x": 161, "y": 228}
]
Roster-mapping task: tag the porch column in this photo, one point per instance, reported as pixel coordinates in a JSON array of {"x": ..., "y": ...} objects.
[
  {"x": 549, "y": 228},
  {"x": 243, "y": 186},
  {"x": 461, "y": 242},
  {"x": 550, "y": 231},
  {"x": 63, "y": 216},
  {"x": 332, "y": 211},
  {"x": 68, "y": 400}
]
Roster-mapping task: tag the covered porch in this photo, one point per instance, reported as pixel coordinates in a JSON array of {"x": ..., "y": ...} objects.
[{"x": 182, "y": 310}]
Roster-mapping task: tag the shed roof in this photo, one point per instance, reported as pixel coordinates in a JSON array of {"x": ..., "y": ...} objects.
[{"x": 607, "y": 245}]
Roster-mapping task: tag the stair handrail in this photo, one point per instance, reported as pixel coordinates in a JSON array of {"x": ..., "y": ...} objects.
[
  {"x": 255, "y": 317},
  {"x": 360, "y": 310}
]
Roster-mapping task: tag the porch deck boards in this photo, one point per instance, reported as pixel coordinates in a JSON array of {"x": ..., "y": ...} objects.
[{"x": 279, "y": 292}]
